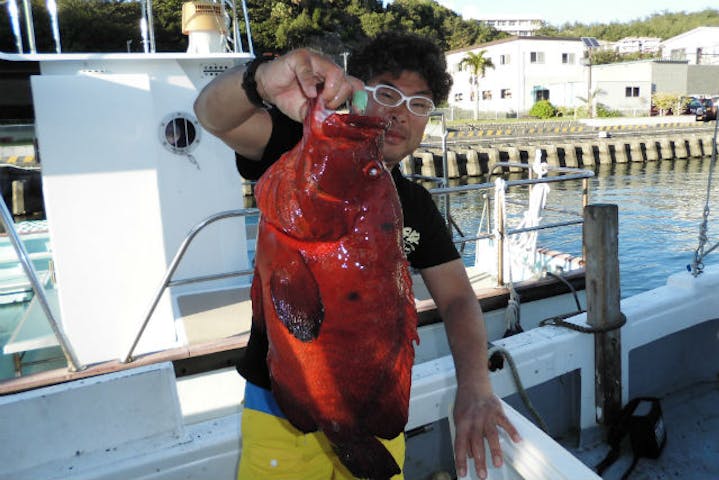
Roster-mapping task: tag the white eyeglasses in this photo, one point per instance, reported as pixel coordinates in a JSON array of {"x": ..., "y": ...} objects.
[{"x": 391, "y": 97}]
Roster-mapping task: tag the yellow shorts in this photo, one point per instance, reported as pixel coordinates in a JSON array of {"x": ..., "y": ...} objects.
[{"x": 272, "y": 449}]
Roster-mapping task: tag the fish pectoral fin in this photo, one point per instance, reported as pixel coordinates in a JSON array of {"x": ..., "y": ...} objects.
[
  {"x": 258, "y": 317},
  {"x": 296, "y": 298}
]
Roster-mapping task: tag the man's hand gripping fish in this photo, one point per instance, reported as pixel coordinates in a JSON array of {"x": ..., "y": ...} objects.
[{"x": 332, "y": 289}]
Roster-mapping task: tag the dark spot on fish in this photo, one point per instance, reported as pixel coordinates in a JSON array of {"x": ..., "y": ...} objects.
[
  {"x": 353, "y": 296},
  {"x": 387, "y": 227}
]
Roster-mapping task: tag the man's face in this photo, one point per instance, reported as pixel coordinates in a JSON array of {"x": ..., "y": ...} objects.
[{"x": 406, "y": 129}]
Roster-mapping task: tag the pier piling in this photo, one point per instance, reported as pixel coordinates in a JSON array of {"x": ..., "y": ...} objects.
[
  {"x": 665, "y": 149},
  {"x": 650, "y": 149},
  {"x": 620, "y": 152},
  {"x": 587, "y": 154},
  {"x": 635, "y": 151},
  {"x": 570, "y": 155},
  {"x": 680, "y": 147},
  {"x": 695, "y": 148},
  {"x": 605, "y": 155},
  {"x": 474, "y": 168}
]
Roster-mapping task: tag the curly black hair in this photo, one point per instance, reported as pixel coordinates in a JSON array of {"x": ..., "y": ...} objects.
[{"x": 394, "y": 52}]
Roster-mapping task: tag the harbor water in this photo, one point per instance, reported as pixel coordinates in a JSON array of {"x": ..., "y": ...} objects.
[{"x": 661, "y": 207}]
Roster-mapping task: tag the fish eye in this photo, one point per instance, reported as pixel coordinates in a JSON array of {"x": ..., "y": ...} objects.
[{"x": 372, "y": 170}]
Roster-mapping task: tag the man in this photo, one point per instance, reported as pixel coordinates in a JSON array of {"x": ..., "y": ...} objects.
[{"x": 405, "y": 78}]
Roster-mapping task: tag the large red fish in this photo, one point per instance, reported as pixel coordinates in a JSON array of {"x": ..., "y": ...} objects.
[{"x": 333, "y": 290}]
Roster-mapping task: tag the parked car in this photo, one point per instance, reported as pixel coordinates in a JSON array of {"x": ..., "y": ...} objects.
[
  {"x": 692, "y": 106},
  {"x": 707, "y": 110}
]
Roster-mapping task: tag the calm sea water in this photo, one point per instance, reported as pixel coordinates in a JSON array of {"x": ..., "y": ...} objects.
[
  {"x": 660, "y": 211},
  {"x": 660, "y": 207}
]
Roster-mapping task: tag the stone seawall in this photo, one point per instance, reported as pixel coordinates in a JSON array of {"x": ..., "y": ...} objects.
[{"x": 473, "y": 160}]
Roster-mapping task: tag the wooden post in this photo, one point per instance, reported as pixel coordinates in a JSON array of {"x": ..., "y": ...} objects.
[{"x": 602, "y": 288}]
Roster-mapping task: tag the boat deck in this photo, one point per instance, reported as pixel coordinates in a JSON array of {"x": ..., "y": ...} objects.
[
  {"x": 217, "y": 323},
  {"x": 691, "y": 418}
]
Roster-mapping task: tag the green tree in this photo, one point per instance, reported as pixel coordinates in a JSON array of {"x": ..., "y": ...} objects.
[
  {"x": 663, "y": 25},
  {"x": 167, "y": 17},
  {"x": 478, "y": 65},
  {"x": 333, "y": 26},
  {"x": 85, "y": 26},
  {"x": 669, "y": 103}
]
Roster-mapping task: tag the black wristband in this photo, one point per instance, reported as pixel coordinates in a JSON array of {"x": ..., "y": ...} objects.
[{"x": 250, "y": 85}]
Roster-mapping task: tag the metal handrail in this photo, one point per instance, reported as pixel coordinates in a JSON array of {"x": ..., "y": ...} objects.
[
  {"x": 166, "y": 280},
  {"x": 569, "y": 174},
  {"x": 67, "y": 350}
]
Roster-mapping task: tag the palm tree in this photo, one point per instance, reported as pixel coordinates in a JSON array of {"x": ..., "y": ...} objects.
[
  {"x": 590, "y": 100},
  {"x": 478, "y": 64}
]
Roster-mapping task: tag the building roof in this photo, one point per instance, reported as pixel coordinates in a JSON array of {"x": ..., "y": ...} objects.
[
  {"x": 693, "y": 32},
  {"x": 509, "y": 16},
  {"x": 511, "y": 39}
]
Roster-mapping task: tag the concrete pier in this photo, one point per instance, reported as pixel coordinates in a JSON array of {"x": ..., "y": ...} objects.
[
  {"x": 587, "y": 154},
  {"x": 620, "y": 152},
  {"x": 474, "y": 169},
  {"x": 635, "y": 151},
  {"x": 452, "y": 164},
  {"x": 472, "y": 160},
  {"x": 426, "y": 160},
  {"x": 570, "y": 155},
  {"x": 492, "y": 157},
  {"x": 605, "y": 155},
  {"x": 666, "y": 152},
  {"x": 552, "y": 154},
  {"x": 650, "y": 149},
  {"x": 680, "y": 147},
  {"x": 695, "y": 148}
]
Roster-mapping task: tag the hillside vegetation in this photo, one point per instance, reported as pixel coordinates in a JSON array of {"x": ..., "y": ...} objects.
[
  {"x": 663, "y": 25},
  {"x": 333, "y": 26}
]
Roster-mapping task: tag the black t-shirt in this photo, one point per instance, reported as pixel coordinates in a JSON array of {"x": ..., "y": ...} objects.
[{"x": 427, "y": 241}]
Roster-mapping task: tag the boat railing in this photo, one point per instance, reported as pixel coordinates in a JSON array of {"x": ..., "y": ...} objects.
[
  {"x": 167, "y": 279},
  {"x": 503, "y": 233},
  {"x": 37, "y": 286},
  {"x": 228, "y": 9},
  {"x": 567, "y": 174}
]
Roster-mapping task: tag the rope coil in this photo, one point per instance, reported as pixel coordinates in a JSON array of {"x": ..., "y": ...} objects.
[{"x": 559, "y": 321}]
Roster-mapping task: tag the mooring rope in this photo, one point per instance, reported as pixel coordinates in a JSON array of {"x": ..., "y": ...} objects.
[
  {"x": 520, "y": 387},
  {"x": 697, "y": 266}
]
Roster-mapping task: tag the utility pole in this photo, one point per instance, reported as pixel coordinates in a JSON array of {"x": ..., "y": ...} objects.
[{"x": 590, "y": 100}]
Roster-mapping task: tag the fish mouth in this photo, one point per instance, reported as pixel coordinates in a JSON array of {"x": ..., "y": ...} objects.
[
  {"x": 363, "y": 121},
  {"x": 354, "y": 126}
]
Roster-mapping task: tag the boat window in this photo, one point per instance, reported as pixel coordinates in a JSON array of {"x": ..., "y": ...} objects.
[{"x": 179, "y": 132}]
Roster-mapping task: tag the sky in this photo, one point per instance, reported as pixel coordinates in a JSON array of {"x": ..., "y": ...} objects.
[{"x": 557, "y": 12}]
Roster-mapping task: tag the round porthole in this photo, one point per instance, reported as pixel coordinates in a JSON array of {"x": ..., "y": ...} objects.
[{"x": 180, "y": 133}]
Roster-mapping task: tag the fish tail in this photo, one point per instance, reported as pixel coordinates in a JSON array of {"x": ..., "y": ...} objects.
[{"x": 367, "y": 458}]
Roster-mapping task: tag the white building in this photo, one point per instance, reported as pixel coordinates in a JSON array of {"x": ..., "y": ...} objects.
[
  {"x": 518, "y": 25},
  {"x": 638, "y": 44},
  {"x": 526, "y": 69},
  {"x": 699, "y": 46}
]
